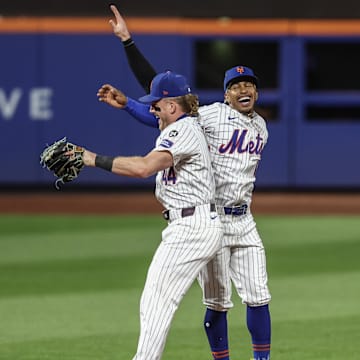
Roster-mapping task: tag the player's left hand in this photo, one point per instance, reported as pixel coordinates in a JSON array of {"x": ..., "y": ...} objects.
[
  {"x": 64, "y": 159},
  {"x": 119, "y": 25}
]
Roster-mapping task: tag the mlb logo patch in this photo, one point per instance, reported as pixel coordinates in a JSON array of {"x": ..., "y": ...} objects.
[{"x": 166, "y": 143}]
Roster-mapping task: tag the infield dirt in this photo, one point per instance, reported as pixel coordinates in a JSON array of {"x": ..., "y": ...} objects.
[{"x": 145, "y": 203}]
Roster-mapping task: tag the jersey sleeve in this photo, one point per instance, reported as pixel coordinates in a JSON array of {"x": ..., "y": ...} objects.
[
  {"x": 141, "y": 113},
  {"x": 140, "y": 66},
  {"x": 179, "y": 140},
  {"x": 208, "y": 118}
]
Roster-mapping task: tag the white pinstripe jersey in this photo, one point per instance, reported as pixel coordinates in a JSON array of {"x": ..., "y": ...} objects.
[
  {"x": 235, "y": 142},
  {"x": 190, "y": 181}
]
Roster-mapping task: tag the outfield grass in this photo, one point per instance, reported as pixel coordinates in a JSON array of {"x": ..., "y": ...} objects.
[{"x": 70, "y": 288}]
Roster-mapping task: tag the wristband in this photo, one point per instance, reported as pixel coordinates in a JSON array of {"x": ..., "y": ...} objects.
[
  {"x": 104, "y": 162},
  {"x": 128, "y": 42}
]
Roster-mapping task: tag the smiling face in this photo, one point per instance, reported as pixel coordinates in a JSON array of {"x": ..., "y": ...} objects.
[
  {"x": 163, "y": 111},
  {"x": 242, "y": 96}
]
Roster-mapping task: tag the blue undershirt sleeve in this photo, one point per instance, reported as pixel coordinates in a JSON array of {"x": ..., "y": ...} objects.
[{"x": 141, "y": 113}]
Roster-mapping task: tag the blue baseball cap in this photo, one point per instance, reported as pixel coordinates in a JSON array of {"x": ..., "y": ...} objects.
[
  {"x": 165, "y": 85},
  {"x": 239, "y": 73}
]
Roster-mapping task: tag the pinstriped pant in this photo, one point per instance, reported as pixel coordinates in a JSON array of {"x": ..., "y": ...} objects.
[
  {"x": 241, "y": 261},
  {"x": 187, "y": 245}
]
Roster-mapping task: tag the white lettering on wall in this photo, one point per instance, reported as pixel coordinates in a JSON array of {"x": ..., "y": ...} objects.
[
  {"x": 39, "y": 103},
  {"x": 9, "y": 105}
]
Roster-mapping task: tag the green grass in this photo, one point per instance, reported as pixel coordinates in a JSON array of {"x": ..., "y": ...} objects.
[{"x": 70, "y": 288}]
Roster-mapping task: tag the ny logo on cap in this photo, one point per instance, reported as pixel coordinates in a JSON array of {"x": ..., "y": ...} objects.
[{"x": 240, "y": 69}]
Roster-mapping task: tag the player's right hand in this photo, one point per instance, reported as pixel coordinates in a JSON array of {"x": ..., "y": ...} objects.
[{"x": 112, "y": 96}]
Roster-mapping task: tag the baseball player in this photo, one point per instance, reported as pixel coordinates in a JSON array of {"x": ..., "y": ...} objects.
[
  {"x": 186, "y": 188},
  {"x": 236, "y": 136}
]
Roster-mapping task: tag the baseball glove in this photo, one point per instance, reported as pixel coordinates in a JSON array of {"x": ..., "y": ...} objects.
[{"x": 64, "y": 159}]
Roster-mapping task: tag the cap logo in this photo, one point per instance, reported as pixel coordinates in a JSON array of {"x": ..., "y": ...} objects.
[
  {"x": 165, "y": 92},
  {"x": 240, "y": 69}
]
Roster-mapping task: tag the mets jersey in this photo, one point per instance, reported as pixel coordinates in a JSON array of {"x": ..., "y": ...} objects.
[
  {"x": 235, "y": 142},
  {"x": 190, "y": 181}
]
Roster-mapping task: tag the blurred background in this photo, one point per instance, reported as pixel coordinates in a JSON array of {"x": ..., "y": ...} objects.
[
  {"x": 55, "y": 55},
  {"x": 307, "y": 9}
]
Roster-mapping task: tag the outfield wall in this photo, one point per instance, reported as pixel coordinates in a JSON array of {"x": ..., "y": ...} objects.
[{"x": 52, "y": 68}]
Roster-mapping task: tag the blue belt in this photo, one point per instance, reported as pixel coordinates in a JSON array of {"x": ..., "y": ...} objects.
[{"x": 236, "y": 210}]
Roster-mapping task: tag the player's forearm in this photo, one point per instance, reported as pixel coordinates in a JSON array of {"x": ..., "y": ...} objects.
[
  {"x": 140, "y": 66},
  {"x": 132, "y": 166},
  {"x": 141, "y": 112}
]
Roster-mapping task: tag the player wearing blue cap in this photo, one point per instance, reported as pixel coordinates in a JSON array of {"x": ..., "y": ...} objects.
[
  {"x": 236, "y": 135},
  {"x": 185, "y": 186}
]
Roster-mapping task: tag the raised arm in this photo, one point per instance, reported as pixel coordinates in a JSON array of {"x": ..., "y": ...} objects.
[
  {"x": 140, "y": 66},
  {"x": 117, "y": 99}
]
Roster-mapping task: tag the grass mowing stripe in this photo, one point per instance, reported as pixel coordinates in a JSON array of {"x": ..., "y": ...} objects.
[
  {"x": 65, "y": 316},
  {"x": 70, "y": 245},
  {"x": 320, "y": 339},
  {"x": 84, "y": 275},
  {"x": 313, "y": 258},
  {"x": 315, "y": 296},
  {"x": 95, "y": 347},
  {"x": 34, "y": 318},
  {"x": 188, "y": 344},
  {"x": 292, "y": 230},
  {"x": 9, "y": 224}
]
